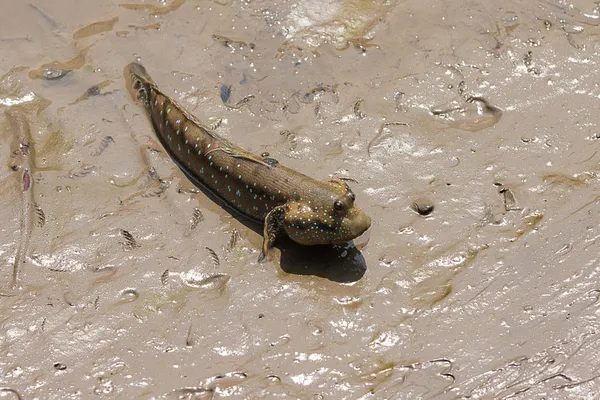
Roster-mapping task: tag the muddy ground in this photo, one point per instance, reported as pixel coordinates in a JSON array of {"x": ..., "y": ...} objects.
[{"x": 120, "y": 279}]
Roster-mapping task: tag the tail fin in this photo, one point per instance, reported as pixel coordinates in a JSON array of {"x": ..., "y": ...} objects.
[{"x": 138, "y": 82}]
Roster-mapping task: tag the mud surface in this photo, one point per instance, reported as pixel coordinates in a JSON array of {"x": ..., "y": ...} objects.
[{"x": 470, "y": 130}]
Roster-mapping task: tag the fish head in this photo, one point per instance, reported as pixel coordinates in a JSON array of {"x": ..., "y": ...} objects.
[
  {"x": 139, "y": 84},
  {"x": 333, "y": 220}
]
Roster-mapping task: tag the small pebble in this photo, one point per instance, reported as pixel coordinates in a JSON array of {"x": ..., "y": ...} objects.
[
  {"x": 60, "y": 367},
  {"x": 422, "y": 206},
  {"x": 510, "y": 202}
]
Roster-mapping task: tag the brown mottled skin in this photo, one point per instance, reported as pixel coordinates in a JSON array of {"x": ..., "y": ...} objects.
[{"x": 310, "y": 212}]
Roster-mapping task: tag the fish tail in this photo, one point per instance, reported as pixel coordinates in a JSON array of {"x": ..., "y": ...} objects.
[{"x": 139, "y": 83}]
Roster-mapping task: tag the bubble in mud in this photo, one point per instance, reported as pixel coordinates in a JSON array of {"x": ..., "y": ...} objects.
[
  {"x": 239, "y": 375},
  {"x": 195, "y": 279},
  {"x": 53, "y": 74},
  {"x": 129, "y": 295},
  {"x": 6, "y": 392}
]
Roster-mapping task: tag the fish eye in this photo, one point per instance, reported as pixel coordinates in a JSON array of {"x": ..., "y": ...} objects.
[
  {"x": 352, "y": 196},
  {"x": 338, "y": 205}
]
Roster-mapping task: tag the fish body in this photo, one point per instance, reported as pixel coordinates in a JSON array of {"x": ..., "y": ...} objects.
[{"x": 309, "y": 211}]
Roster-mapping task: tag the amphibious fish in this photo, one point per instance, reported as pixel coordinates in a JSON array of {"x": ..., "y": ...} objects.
[{"x": 308, "y": 211}]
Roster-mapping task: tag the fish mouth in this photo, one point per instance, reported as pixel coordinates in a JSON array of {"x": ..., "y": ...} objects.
[
  {"x": 366, "y": 228},
  {"x": 358, "y": 224},
  {"x": 366, "y": 224}
]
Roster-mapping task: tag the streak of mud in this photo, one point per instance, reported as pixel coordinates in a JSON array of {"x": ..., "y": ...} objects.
[
  {"x": 155, "y": 10},
  {"x": 95, "y": 28},
  {"x": 57, "y": 69}
]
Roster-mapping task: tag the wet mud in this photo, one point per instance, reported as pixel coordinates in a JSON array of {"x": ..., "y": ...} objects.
[{"x": 468, "y": 131}]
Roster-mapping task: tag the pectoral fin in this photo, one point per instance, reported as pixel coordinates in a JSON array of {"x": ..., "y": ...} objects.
[{"x": 273, "y": 225}]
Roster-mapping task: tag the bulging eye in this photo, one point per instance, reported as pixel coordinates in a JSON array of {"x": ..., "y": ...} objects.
[{"x": 338, "y": 205}]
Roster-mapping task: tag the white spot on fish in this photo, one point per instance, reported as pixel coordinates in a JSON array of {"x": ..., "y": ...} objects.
[{"x": 178, "y": 121}]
